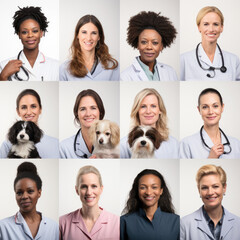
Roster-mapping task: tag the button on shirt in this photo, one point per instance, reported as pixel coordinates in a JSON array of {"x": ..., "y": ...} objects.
[
  {"x": 136, "y": 226},
  {"x": 216, "y": 231}
]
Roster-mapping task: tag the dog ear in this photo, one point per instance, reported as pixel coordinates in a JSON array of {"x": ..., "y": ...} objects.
[
  {"x": 92, "y": 132},
  {"x": 115, "y": 133},
  {"x": 13, "y": 131},
  {"x": 159, "y": 138},
  {"x": 131, "y": 136},
  {"x": 37, "y": 132}
]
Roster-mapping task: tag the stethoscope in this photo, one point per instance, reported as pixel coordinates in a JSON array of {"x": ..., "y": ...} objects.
[
  {"x": 223, "y": 69},
  {"x": 227, "y": 143},
  {"x": 75, "y": 146}
]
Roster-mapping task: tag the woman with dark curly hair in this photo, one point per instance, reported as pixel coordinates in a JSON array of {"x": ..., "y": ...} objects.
[
  {"x": 150, "y": 33},
  {"x": 90, "y": 58},
  {"x": 30, "y": 24},
  {"x": 149, "y": 213}
]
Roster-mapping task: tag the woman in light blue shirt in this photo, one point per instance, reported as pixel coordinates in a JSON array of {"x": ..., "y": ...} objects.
[
  {"x": 90, "y": 58},
  {"x": 27, "y": 223}
]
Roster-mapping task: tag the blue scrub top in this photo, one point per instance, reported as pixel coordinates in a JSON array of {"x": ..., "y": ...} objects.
[
  {"x": 100, "y": 74},
  {"x": 16, "y": 228},
  {"x": 136, "y": 226},
  {"x": 168, "y": 149},
  {"x": 48, "y": 147}
]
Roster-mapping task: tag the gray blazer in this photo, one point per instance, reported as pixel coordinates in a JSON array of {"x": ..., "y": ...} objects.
[{"x": 194, "y": 227}]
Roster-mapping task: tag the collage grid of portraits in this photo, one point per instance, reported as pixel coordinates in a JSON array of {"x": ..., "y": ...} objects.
[{"x": 58, "y": 97}]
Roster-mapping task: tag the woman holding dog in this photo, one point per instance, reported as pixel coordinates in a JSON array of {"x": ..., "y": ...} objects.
[
  {"x": 212, "y": 220},
  {"x": 29, "y": 108},
  {"x": 210, "y": 141},
  {"x": 90, "y": 221},
  {"x": 87, "y": 109},
  {"x": 149, "y": 212},
  {"x": 149, "y": 110},
  {"x": 90, "y": 58},
  {"x": 28, "y": 223}
]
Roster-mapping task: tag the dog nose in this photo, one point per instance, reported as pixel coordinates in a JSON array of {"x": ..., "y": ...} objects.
[
  {"x": 143, "y": 143},
  {"x": 101, "y": 141},
  {"x": 21, "y": 136}
]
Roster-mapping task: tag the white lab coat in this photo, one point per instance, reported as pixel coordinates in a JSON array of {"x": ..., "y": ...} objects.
[
  {"x": 136, "y": 73},
  {"x": 190, "y": 69},
  {"x": 100, "y": 74},
  {"x": 193, "y": 147},
  {"x": 67, "y": 148},
  {"x": 168, "y": 149},
  {"x": 44, "y": 68},
  {"x": 48, "y": 147}
]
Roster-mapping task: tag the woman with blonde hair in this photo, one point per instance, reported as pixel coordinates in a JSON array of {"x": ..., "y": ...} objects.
[
  {"x": 149, "y": 110},
  {"x": 208, "y": 62},
  {"x": 90, "y": 58},
  {"x": 212, "y": 220},
  {"x": 90, "y": 221}
]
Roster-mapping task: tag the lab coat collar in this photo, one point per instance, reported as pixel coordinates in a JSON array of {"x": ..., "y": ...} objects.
[
  {"x": 78, "y": 220},
  {"x": 217, "y": 61},
  {"x": 81, "y": 146}
]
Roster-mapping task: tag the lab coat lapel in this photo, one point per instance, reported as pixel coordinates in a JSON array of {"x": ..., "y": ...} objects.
[
  {"x": 227, "y": 225},
  {"x": 207, "y": 139},
  {"x": 202, "y": 224},
  {"x": 139, "y": 71}
]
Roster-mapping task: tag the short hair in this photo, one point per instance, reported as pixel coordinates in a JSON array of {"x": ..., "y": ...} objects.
[
  {"x": 97, "y": 99},
  {"x": 85, "y": 170},
  {"x": 210, "y": 170},
  {"x": 161, "y": 124},
  {"x": 28, "y": 170},
  {"x": 134, "y": 202},
  {"x": 210, "y": 90},
  {"x": 207, "y": 10},
  {"x": 150, "y": 20},
  {"x": 28, "y": 92},
  {"x": 25, "y": 13}
]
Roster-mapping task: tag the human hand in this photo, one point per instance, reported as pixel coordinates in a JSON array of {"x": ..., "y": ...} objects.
[
  {"x": 216, "y": 151},
  {"x": 93, "y": 156},
  {"x": 12, "y": 67}
]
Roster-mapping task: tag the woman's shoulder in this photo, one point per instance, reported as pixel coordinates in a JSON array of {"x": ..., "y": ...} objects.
[
  {"x": 69, "y": 216},
  {"x": 47, "y": 138},
  {"x": 110, "y": 216},
  {"x": 190, "y": 138},
  {"x": 7, "y": 221},
  {"x": 188, "y": 54},
  {"x": 67, "y": 141},
  {"x": 233, "y": 57},
  {"x": 172, "y": 140}
]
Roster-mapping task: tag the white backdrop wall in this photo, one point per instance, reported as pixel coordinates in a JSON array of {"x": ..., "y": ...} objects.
[
  {"x": 190, "y": 119},
  {"x": 189, "y": 195},
  {"x": 11, "y": 44},
  {"x": 48, "y": 92},
  {"x": 168, "y": 9},
  {"x": 68, "y": 91},
  {"x": 190, "y": 36},
  {"x": 107, "y": 12},
  {"x": 47, "y": 203},
  {"x": 169, "y": 92}
]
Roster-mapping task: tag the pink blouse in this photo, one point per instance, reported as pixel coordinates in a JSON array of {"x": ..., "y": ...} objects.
[{"x": 72, "y": 227}]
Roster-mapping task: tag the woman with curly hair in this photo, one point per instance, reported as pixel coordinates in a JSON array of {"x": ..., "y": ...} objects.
[
  {"x": 150, "y": 33},
  {"x": 149, "y": 110},
  {"x": 30, "y": 24},
  {"x": 149, "y": 212},
  {"x": 90, "y": 58}
]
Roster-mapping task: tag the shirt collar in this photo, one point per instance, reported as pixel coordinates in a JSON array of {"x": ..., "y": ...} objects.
[
  {"x": 156, "y": 215},
  {"x": 19, "y": 219},
  {"x": 208, "y": 219}
]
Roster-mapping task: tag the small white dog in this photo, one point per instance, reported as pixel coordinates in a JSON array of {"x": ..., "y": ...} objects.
[
  {"x": 105, "y": 136},
  {"x": 143, "y": 140}
]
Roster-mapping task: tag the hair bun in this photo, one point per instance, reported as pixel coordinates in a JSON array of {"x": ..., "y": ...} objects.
[{"x": 26, "y": 167}]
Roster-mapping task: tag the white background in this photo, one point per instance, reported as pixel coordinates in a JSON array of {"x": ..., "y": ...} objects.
[
  {"x": 47, "y": 203},
  {"x": 190, "y": 36},
  {"x": 48, "y": 92},
  {"x": 107, "y": 12},
  {"x": 169, "y": 92},
  {"x": 117, "y": 177},
  {"x": 190, "y": 200},
  {"x": 190, "y": 119},
  {"x": 11, "y": 44},
  {"x": 168, "y": 9},
  {"x": 68, "y": 91}
]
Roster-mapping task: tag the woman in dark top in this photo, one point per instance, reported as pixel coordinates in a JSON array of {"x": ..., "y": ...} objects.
[{"x": 149, "y": 213}]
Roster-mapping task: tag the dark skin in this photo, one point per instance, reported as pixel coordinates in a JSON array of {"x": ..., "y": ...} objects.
[
  {"x": 30, "y": 35},
  {"x": 27, "y": 195}
]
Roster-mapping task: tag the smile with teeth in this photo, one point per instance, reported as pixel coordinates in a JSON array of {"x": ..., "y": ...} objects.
[
  {"x": 89, "y": 119},
  {"x": 148, "y": 198},
  {"x": 89, "y": 199},
  {"x": 29, "y": 118}
]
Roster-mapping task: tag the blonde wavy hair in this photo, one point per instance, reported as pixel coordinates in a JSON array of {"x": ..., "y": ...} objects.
[{"x": 161, "y": 124}]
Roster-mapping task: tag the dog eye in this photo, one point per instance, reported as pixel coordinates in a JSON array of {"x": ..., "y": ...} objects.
[
  {"x": 97, "y": 132},
  {"x": 107, "y": 133}
]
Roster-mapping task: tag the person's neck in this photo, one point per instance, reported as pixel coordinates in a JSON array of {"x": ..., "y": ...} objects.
[
  {"x": 89, "y": 58},
  {"x": 90, "y": 213},
  {"x": 209, "y": 48},
  {"x": 30, "y": 216},
  {"x": 31, "y": 55},
  {"x": 150, "y": 211},
  {"x": 150, "y": 64},
  {"x": 214, "y": 213},
  {"x": 214, "y": 133},
  {"x": 85, "y": 135}
]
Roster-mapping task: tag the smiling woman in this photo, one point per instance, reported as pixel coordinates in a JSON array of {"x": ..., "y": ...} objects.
[{"x": 30, "y": 25}]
